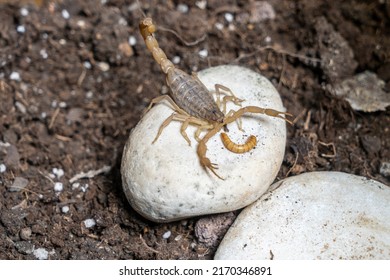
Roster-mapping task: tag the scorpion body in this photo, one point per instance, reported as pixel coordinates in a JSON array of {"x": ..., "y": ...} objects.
[{"x": 194, "y": 104}]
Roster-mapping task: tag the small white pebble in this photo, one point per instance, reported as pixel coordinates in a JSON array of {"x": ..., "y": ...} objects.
[
  {"x": 218, "y": 25},
  {"x": 65, "y": 209},
  {"x": 75, "y": 186},
  {"x": 62, "y": 41},
  {"x": 43, "y": 53},
  {"x": 58, "y": 186},
  {"x": 20, "y": 29},
  {"x": 81, "y": 23},
  {"x": 43, "y": 115},
  {"x": 229, "y": 17},
  {"x": 201, "y": 4},
  {"x": 54, "y": 104},
  {"x": 65, "y": 14},
  {"x": 203, "y": 53},
  {"x": 84, "y": 188},
  {"x": 182, "y": 8},
  {"x": 21, "y": 107},
  {"x": 59, "y": 172},
  {"x": 176, "y": 59},
  {"x": 3, "y": 168},
  {"x": 24, "y": 12},
  {"x": 89, "y": 223},
  {"x": 103, "y": 66},
  {"x": 167, "y": 234},
  {"x": 122, "y": 21},
  {"x": 87, "y": 65},
  {"x": 41, "y": 254},
  {"x": 15, "y": 76},
  {"x": 132, "y": 40},
  {"x": 177, "y": 238},
  {"x": 268, "y": 39},
  {"x": 45, "y": 36},
  {"x": 62, "y": 104},
  {"x": 89, "y": 94}
]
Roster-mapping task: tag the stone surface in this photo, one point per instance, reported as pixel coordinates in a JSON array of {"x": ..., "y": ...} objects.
[
  {"x": 317, "y": 215},
  {"x": 164, "y": 181}
]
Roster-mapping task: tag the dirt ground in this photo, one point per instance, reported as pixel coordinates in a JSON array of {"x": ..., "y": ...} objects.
[{"x": 75, "y": 77}]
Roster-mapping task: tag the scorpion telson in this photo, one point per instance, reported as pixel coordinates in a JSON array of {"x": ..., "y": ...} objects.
[{"x": 194, "y": 104}]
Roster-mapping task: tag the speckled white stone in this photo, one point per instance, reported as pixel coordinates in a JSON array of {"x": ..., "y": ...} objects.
[
  {"x": 164, "y": 181},
  {"x": 317, "y": 215}
]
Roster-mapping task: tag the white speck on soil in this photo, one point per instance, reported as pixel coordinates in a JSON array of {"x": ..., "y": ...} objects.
[
  {"x": 229, "y": 17},
  {"x": 201, "y": 4},
  {"x": 132, "y": 40},
  {"x": 20, "y": 29},
  {"x": 15, "y": 76},
  {"x": 58, "y": 187},
  {"x": 176, "y": 59},
  {"x": 203, "y": 53},
  {"x": 182, "y": 8},
  {"x": 89, "y": 223},
  {"x": 24, "y": 12},
  {"x": 3, "y": 168},
  {"x": 167, "y": 234},
  {"x": 218, "y": 25},
  {"x": 65, "y": 14},
  {"x": 41, "y": 254},
  {"x": 43, "y": 53},
  {"x": 65, "y": 209}
]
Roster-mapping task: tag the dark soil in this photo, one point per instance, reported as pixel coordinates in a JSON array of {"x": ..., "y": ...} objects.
[{"x": 72, "y": 88}]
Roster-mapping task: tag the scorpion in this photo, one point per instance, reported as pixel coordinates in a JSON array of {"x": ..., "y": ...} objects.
[{"x": 194, "y": 104}]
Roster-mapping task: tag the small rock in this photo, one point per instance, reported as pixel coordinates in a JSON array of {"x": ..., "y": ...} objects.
[
  {"x": 364, "y": 92},
  {"x": 15, "y": 76},
  {"x": 182, "y": 8},
  {"x": 58, "y": 187},
  {"x": 211, "y": 229},
  {"x": 167, "y": 234},
  {"x": 12, "y": 157},
  {"x": 132, "y": 41},
  {"x": 25, "y": 233},
  {"x": 20, "y": 29},
  {"x": 316, "y": 215},
  {"x": 229, "y": 17},
  {"x": 65, "y": 14},
  {"x": 103, "y": 66},
  {"x": 24, "y": 247},
  {"x": 65, "y": 209},
  {"x": 41, "y": 254},
  {"x": 88, "y": 223},
  {"x": 371, "y": 144},
  {"x": 385, "y": 169},
  {"x": 203, "y": 53},
  {"x": 3, "y": 168},
  {"x": 164, "y": 181},
  {"x": 19, "y": 184},
  {"x": 261, "y": 11}
]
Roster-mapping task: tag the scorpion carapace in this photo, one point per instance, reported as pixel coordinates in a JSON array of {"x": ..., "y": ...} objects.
[{"x": 194, "y": 104}]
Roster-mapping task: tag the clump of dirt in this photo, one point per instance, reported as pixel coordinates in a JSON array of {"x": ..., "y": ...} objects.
[{"x": 75, "y": 77}]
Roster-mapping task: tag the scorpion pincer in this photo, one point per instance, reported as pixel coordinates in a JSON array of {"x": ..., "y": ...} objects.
[{"x": 194, "y": 104}]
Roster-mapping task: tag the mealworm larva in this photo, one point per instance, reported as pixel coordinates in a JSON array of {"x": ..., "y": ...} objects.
[{"x": 238, "y": 148}]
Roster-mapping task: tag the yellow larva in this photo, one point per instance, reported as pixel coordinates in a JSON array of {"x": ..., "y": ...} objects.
[{"x": 238, "y": 148}]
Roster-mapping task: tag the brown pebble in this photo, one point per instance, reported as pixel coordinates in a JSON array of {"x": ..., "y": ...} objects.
[{"x": 25, "y": 233}]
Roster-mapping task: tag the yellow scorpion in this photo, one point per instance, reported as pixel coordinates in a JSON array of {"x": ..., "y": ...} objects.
[{"x": 194, "y": 104}]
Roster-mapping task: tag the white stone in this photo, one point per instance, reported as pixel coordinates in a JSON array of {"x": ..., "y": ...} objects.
[
  {"x": 58, "y": 187},
  {"x": 41, "y": 253},
  {"x": 88, "y": 223},
  {"x": 317, "y": 215},
  {"x": 164, "y": 181}
]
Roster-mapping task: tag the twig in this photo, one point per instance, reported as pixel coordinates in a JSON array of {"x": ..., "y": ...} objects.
[
  {"x": 260, "y": 49},
  {"x": 90, "y": 174},
  {"x": 146, "y": 245},
  {"x": 327, "y": 145},
  {"x": 188, "y": 44},
  {"x": 53, "y": 118}
]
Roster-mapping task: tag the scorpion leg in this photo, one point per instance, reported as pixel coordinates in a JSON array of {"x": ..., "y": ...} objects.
[
  {"x": 159, "y": 99},
  {"x": 186, "y": 119},
  {"x": 259, "y": 110},
  {"x": 230, "y": 96}
]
